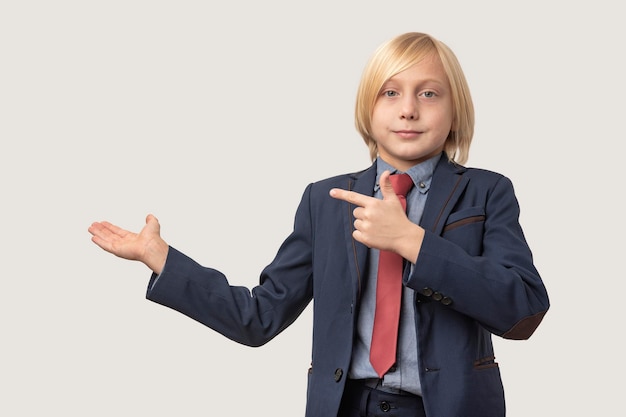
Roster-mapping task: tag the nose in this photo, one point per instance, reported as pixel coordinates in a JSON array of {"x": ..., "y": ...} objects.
[{"x": 409, "y": 109}]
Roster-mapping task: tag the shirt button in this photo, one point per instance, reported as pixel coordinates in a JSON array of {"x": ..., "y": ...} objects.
[{"x": 421, "y": 185}]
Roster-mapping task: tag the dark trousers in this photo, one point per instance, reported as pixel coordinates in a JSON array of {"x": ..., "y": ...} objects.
[{"x": 360, "y": 400}]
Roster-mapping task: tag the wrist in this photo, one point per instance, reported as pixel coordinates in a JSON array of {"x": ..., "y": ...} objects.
[
  {"x": 156, "y": 255},
  {"x": 411, "y": 243}
]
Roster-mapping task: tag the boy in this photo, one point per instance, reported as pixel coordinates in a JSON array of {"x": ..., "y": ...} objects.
[{"x": 468, "y": 272}]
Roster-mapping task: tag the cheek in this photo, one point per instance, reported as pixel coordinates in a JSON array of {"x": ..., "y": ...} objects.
[
  {"x": 377, "y": 121},
  {"x": 443, "y": 122}
]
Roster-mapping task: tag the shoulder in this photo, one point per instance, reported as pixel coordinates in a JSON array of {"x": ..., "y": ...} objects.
[
  {"x": 474, "y": 180},
  {"x": 344, "y": 180},
  {"x": 482, "y": 176},
  {"x": 489, "y": 185}
]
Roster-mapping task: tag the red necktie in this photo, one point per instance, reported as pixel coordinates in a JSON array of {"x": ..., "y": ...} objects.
[{"x": 388, "y": 295}]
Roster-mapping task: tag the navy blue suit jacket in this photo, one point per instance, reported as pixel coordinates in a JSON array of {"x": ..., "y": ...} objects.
[{"x": 474, "y": 277}]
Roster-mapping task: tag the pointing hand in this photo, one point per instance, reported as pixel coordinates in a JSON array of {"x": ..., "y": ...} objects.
[{"x": 382, "y": 223}]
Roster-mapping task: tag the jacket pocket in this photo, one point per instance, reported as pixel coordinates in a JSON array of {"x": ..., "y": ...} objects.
[
  {"x": 466, "y": 216},
  {"x": 485, "y": 363},
  {"x": 466, "y": 228}
]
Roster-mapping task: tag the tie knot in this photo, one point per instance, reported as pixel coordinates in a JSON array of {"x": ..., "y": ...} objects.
[{"x": 401, "y": 183}]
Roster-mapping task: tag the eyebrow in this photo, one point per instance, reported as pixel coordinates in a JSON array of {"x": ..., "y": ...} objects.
[{"x": 419, "y": 82}]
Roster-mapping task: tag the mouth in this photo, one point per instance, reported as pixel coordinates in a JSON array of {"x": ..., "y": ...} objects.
[{"x": 407, "y": 134}]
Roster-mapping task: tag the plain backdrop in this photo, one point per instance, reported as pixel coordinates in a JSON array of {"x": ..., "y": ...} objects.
[{"x": 113, "y": 110}]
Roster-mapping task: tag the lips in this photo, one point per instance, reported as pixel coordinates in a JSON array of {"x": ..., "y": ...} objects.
[{"x": 407, "y": 134}]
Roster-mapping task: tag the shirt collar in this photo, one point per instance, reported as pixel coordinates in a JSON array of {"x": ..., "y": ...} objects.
[{"x": 421, "y": 174}]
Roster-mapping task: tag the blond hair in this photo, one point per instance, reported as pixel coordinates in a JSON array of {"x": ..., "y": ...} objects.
[{"x": 397, "y": 55}]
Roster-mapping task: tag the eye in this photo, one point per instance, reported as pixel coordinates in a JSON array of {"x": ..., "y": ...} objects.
[
  {"x": 390, "y": 93},
  {"x": 429, "y": 94}
]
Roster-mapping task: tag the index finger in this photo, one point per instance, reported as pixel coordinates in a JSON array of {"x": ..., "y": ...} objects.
[{"x": 350, "y": 196}]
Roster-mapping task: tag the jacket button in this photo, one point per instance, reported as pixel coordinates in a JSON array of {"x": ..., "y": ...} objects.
[
  {"x": 338, "y": 374},
  {"x": 437, "y": 296},
  {"x": 427, "y": 292},
  {"x": 385, "y": 406},
  {"x": 446, "y": 301}
]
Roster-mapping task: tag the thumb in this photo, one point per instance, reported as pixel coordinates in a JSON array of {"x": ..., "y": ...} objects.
[
  {"x": 152, "y": 223},
  {"x": 386, "y": 188}
]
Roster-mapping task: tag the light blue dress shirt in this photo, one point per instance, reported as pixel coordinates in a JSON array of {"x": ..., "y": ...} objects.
[{"x": 404, "y": 375}]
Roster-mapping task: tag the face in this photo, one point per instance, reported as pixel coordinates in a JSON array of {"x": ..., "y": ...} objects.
[{"x": 412, "y": 116}]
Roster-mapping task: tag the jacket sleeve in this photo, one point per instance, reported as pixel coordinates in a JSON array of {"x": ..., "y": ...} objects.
[
  {"x": 484, "y": 269},
  {"x": 250, "y": 317}
]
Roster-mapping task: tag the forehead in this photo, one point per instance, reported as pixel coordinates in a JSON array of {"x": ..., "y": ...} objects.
[{"x": 428, "y": 68}]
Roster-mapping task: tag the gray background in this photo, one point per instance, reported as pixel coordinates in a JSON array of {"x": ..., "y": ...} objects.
[{"x": 112, "y": 110}]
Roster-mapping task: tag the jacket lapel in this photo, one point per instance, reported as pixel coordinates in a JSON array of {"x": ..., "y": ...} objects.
[
  {"x": 362, "y": 183},
  {"x": 446, "y": 188}
]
